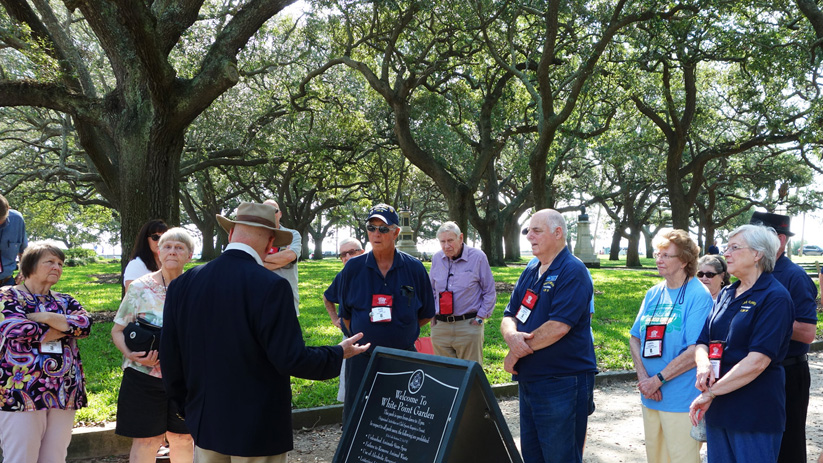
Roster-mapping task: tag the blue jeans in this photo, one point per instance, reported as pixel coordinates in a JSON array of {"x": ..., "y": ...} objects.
[
  {"x": 554, "y": 413},
  {"x": 727, "y": 446}
]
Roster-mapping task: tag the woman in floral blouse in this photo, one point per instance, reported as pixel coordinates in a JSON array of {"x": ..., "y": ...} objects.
[
  {"x": 144, "y": 413},
  {"x": 41, "y": 376}
]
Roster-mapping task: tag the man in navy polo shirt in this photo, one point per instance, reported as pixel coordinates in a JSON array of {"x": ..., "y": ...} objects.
[
  {"x": 385, "y": 294},
  {"x": 547, "y": 327},
  {"x": 13, "y": 241},
  {"x": 796, "y": 365}
]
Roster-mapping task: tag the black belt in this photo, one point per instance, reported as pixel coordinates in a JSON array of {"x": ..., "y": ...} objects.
[
  {"x": 455, "y": 318},
  {"x": 795, "y": 360}
]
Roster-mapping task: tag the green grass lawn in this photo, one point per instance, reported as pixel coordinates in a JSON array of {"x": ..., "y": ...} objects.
[{"x": 618, "y": 293}]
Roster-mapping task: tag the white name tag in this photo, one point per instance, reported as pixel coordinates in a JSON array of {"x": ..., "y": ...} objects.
[
  {"x": 652, "y": 349},
  {"x": 715, "y": 368},
  {"x": 51, "y": 347},
  {"x": 523, "y": 314},
  {"x": 380, "y": 314}
]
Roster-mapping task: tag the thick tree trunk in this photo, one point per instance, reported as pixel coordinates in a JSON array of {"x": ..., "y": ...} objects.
[
  {"x": 208, "y": 253},
  {"x": 511, "y": 240},
  {"x": 614, "y": 251},
  {"x": 648, "y": 237},
  {"x": 632, "y": 255}
]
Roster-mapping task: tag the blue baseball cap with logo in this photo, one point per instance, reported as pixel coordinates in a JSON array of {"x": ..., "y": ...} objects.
[{"x": 385, "y": 213}]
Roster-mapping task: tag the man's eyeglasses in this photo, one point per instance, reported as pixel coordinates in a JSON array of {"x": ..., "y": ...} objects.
[
  {"x": 345, "y": 254},
  {"x": 155, "y": 236},
  {"x": 707, "y": 274},
  {"x": 382, "y": 229}
]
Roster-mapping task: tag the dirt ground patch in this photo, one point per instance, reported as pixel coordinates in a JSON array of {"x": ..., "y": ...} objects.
[{"x": 615, "y": 429}]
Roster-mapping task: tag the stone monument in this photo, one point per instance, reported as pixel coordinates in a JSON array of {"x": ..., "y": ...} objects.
[
  {"x": 405, "y": 242},
  {"x": 583, "y": 247}
]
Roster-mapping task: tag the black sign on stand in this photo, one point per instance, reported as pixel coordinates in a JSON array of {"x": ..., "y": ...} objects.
[{"x": 415, "y": 407}]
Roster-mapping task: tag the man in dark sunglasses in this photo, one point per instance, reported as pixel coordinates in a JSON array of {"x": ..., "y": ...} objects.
[{"x": 385, "y": 294}]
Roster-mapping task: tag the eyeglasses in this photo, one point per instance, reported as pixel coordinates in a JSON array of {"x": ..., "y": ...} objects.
[
  {"x": 658, "y": 255},
  {"x": 733, "y": 248},
  {"x": 348, "y": 253},
  {"x": 155, "y": 236},
  {"x": 382, "y": 229},
  {"x": 707, "y": 274}
]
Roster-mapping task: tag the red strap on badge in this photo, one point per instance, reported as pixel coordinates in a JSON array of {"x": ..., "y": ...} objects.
[
  {"x": 716, "y": 350},
  {"x": 529, "y": 299},
  {"x": 381, "y": 300},
  {"x": 655, "y": 332}
]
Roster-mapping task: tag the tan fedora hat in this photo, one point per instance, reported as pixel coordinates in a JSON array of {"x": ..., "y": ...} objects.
[{"x": 257, "y": 215}]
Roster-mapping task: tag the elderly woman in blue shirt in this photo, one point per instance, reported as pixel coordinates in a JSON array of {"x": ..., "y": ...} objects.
[{"x": 739, "y": 354}]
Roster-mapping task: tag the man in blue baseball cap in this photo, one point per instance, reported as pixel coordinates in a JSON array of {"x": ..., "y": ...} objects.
[{"x": 385, "y": 294}]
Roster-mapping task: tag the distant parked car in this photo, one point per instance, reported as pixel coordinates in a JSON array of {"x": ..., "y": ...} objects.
[{"x": 812, "y": 250}]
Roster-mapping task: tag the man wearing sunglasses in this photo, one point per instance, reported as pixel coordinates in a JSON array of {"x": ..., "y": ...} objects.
[
  {"x": 385, "y": 294},
  {"x": 13, "y": 241},
  {"x": 795, "y": 365},
  {"x": 283, "y": 260}
]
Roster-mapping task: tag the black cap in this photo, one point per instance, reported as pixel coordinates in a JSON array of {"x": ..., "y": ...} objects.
[{"x": 780, "y": 223}]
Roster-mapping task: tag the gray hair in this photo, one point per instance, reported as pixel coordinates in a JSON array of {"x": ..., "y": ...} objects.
[
  {"x": 350, "y": 240},
  {"x": 760, "y": 239},
  {"x": 448, "y": 227},
  {"x": 177, "y": 234},
  {"x": 554, "y": 220}
]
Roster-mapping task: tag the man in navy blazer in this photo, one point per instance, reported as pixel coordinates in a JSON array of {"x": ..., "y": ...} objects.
[{"x": 231, "y": 340}]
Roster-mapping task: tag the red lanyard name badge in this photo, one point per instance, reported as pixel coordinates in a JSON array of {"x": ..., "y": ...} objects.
[
  {"x": 446, "y": 303},
  {"x": 716, "y": 356},
  {"x": 526, "y": 306},
  {"x": 381, "y": 305},
  {"x": 653, "y": 347}
]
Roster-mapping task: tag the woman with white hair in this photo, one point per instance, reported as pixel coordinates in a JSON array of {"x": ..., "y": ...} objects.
[
  {"x": 739, "y": 354},
  {"x": 144, "y": 412}
]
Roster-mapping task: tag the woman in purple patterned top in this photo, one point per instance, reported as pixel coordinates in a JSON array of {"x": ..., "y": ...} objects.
[{"x": 41, "y": 376}]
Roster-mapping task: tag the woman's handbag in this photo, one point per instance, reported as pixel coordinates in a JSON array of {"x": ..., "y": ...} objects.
[
  {"x": 142, "y": 336},
  {"x": 698, "y": 431}
]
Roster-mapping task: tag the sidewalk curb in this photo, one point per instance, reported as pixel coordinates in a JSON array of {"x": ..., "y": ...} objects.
[{"x": 93, "y": 442}]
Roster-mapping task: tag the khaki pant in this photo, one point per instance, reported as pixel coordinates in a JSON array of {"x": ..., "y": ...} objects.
[
  {"x": 208, "y": 456},
  {"x": 459, "y": 339},
  {"x": 668, "y": 439}
]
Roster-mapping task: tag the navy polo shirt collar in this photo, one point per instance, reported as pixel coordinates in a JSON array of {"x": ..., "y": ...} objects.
[
  {"x": 762, "y": 283},
  {"x": 371, "y": 262},
  {"x": 558, "y": 261}
]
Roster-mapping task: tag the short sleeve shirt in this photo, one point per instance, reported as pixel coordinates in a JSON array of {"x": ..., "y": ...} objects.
[
  {"x": 804, "y": 297},
  {"x": 144, "y": 298},
  {"x": 564, "y": 295},
  {"x": 684, "y": 314},
  {"x": 406, "y": 281},
  {"x": 759, "y": 320},
  {"x": 135, "y": 269}
]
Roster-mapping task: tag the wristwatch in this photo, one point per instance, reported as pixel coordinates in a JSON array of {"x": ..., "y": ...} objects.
[
  {"x": 478, "y": 320},
  {"x": 661, "y": 378}
]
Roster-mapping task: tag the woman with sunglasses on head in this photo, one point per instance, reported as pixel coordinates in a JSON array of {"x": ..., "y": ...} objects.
[
  {"x": 144, "y": 412},
  {"x": 711, "y": 271},
  {"x": 662, "y": 344},
  {"x": 144, "y": 258},
  {"x": 740, "y": 353}
]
